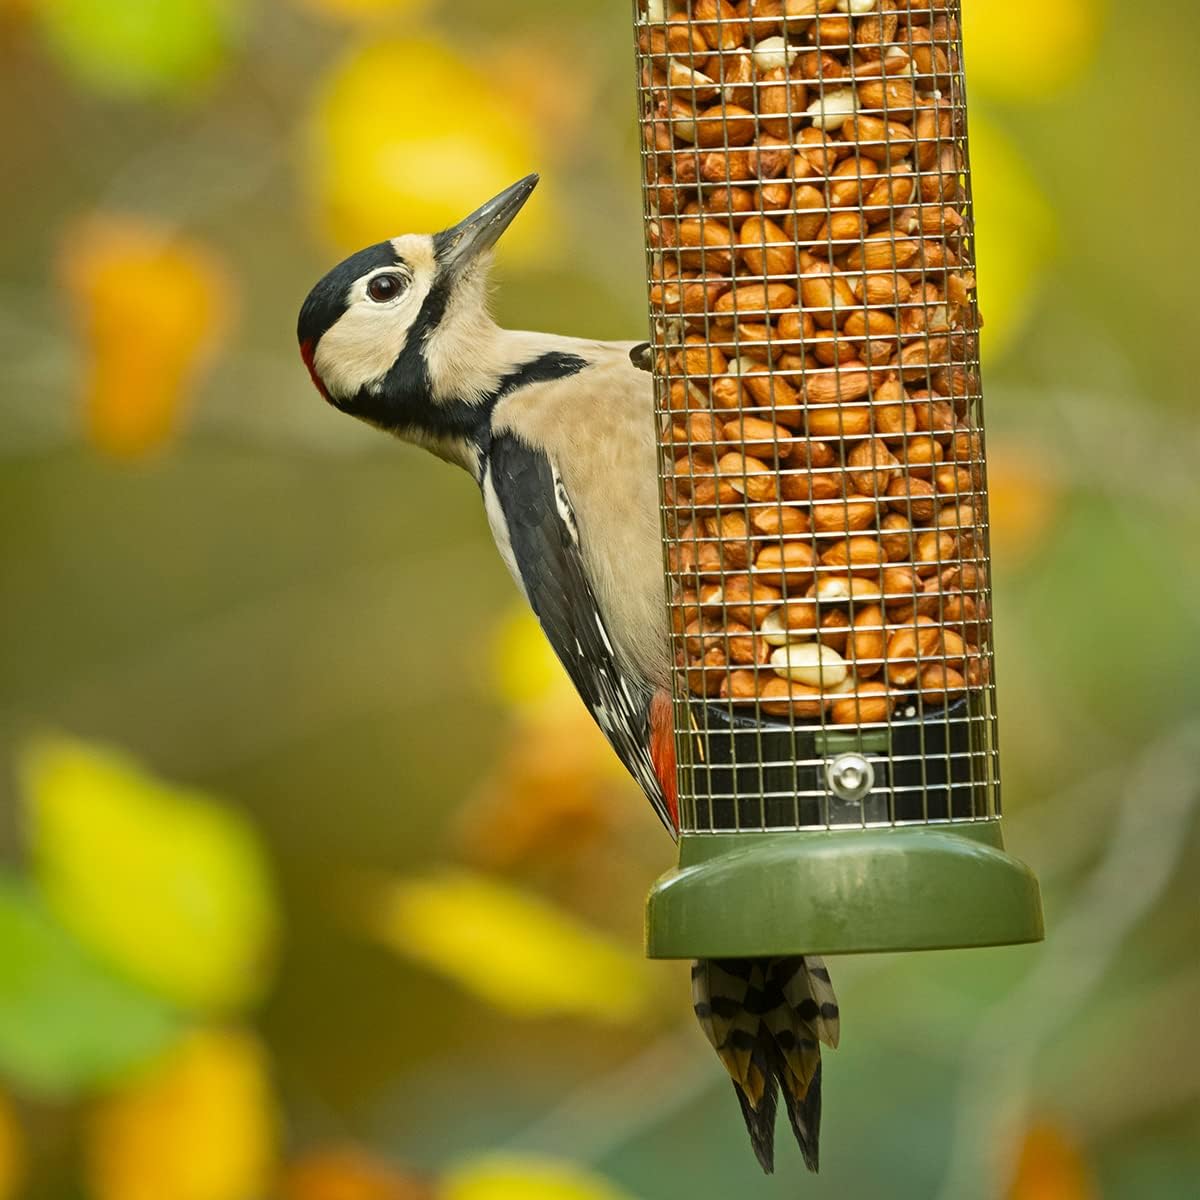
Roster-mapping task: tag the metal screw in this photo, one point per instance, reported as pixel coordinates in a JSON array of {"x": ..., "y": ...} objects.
[{"x": 850, "y": 776}]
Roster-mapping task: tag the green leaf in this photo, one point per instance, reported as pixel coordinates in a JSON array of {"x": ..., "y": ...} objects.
[
  {"x": 66, "y": 1022},
  {"x": 166, "y": 884},
  {"x": 139, "y": 47}
]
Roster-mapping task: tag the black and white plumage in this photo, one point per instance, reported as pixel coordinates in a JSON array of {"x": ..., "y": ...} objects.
[
  {"x": 559, "y": 434},
  {"x": 545, "y": 547}
]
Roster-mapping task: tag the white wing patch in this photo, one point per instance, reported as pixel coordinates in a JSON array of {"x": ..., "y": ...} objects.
[
  {"x": 567, "y": 513},
  {"x": 499, "y": 528}
]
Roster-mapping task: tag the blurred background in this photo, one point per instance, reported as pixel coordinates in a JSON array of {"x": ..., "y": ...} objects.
[{"x": 317, "y": 884}]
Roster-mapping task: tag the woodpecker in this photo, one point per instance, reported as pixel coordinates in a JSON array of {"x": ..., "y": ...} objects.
[{"x": 559, "y": 435}]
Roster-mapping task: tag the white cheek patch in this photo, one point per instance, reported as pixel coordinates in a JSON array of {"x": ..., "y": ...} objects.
[{"x": 359, "y": 349}]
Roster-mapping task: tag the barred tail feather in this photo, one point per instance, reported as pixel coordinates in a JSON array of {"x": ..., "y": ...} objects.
[
  {"x": 804, "y": 1113},
  {"x": 767, "y": 1019},
  {"x": 760, "y": 1121}
]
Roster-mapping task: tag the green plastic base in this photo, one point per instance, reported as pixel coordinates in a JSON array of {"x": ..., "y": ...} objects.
[{"x": 842, "y": 891}]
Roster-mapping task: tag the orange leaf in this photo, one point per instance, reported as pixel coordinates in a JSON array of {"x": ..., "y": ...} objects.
[
  {"x": 1023, "y": 497},
  {"x": 12, "y": 1152},
  {"x": 1051, "y": 1166},
  {"x": 348, "y": 1174},
  {"x": 199, "y": 1125},
  {"x": 550, "y": 797},
  {"x": 152, "y": 307}
]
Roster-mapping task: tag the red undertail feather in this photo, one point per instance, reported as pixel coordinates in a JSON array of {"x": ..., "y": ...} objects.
[{"x": 662, "y": 750}]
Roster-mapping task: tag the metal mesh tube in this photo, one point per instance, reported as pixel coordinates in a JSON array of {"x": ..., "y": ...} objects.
[{"x": 812, "y": 294}]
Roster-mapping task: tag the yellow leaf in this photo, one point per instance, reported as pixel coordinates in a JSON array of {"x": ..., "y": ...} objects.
[
  {"x": 524, "y": 668},
  {"x": 163, "y": 882},
  {"x": 1014, "y": 234},
  {"x": 12, "y": 1152},
  {"x": 1027, "y": 51},
  {"x": 526, "y": 1177},
  {"x": 408, "y": 137},
  {"x": 200, "y": 1125},
  {"x": 1051, "y": 1166},
  {"x": 348, "y": 1174},
  {"x": 152, "y": 308},
  {"x": 512, "y": 949},
  {"x": 530, "y": 678}
]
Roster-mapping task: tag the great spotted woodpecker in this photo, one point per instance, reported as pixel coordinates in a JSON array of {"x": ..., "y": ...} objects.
[{"x": 559, "y": 434}]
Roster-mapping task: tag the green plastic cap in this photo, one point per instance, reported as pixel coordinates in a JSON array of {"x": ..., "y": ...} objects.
[{"x": 843, "y": 891}]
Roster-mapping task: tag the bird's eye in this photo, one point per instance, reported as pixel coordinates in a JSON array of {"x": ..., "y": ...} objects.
[{"x": 383, "y": 288}]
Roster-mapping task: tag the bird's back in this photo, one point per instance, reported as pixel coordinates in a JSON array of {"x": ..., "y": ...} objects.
[{"x": 600, "y": 425}]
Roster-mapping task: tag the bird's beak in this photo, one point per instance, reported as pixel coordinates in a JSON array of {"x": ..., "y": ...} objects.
[{"x": 461, "y": 244}]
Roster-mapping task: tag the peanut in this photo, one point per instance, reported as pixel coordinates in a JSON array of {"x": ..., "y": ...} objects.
[
  {"x": 853, "y": 512},
  {"x": 872, "y": 467},
  {"x": 869, "y": 704},
  {"x": 782, "y": 698},
  {"x": 856, "y": 554},
  {"x": 844, "y": 589},
  {"x": 789, "y": 565},
  {"x": 747, "y": 475},
  {"x": 834, "y": 630},
  {"x": 810, "y": 663},
  {"x": 766, "y": 249},
  {"x": 867, "y": 643},
  {"x": 906, "y": 647},
  {"x": 780, "y": 519}
]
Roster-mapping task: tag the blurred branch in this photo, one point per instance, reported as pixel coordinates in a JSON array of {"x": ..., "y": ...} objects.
[
  {"x": 212, "y": 167},
  {"x": 1104, "y": 441},
  {"x": 1155, "y": 1076},
  {"x": 1146, "y": 847},
  {"x": 221, "y": 712},
  {"x": 617, "y": 1107}
]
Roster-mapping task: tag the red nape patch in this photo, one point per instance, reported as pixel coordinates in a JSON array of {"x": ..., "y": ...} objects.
[
  {"x": 308, "y": 352},
  {"x": 662, "y": 750}
]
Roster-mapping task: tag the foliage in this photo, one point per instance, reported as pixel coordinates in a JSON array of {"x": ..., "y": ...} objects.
[
  {"x": 514, "y": 1177},
  {"x": 66, "y": 1021},
  {"x": 140, "y": 47},
  {"x": 512, "y": 949},
  {"x": 407, "y": 134},
  {"x": 159, "y": 880},
  {"x": 151, "y": 307},
  {"x": 197, "y": 1125}
]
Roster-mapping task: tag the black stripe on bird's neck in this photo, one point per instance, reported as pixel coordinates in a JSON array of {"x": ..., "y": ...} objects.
[{"x": 404, "y": 403}]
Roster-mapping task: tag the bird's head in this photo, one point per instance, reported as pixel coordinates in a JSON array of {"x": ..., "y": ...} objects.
[{"x": 393, "y": 334}]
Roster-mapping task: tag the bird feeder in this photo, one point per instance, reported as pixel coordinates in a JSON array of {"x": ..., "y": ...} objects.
[{"x": 811, "y": 276}]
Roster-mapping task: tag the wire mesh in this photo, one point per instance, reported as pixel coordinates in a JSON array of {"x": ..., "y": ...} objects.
[{"x": 812, "y": 294}]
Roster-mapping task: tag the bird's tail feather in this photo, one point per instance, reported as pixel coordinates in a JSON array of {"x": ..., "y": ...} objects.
[{"x": 766, "y": 1019}]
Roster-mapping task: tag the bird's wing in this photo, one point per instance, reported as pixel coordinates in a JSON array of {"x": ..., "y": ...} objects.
[{"x": 535, "y": 528}]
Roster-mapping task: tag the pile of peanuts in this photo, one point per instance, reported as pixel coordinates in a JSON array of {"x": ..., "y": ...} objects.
[{"x": 812, "y": 290}]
